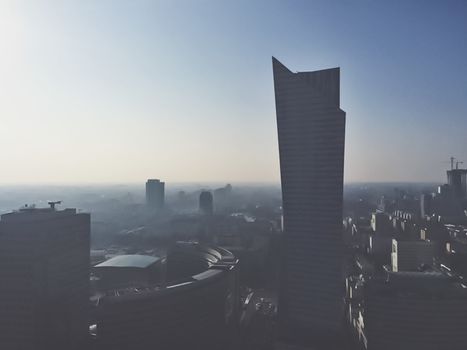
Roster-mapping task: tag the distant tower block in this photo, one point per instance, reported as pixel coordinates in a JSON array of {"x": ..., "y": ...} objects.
[
  {"x": 457, "y": 181},
  {"x": 206, "y": 203},
  {"x": 155, "y": 193}
]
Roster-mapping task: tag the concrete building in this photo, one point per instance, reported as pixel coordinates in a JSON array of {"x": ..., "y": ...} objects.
[
  {"x": 223, "y": 198},
  {"x": 426, "y": 204},
  {"x": 411, "y": 255},
  {"x": 379, "y": 248},
  {"x": 415, "y": 311},
  {"x": 449, "y": 203},
  {"x": 457, "y": 182},
  {"x": 380, "y": 223},
  {"x": 311, "y": 131},
  {"x": 456, "y": 248},
  {"x": 44, "y": 274},
  {"x": 155, "y": 193},
  {"x": 206, "y": 203},
  {"x": 197, "y": 309}
]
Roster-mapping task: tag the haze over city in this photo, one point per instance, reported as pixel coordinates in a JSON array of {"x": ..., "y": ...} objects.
[
  {"x": 116, "y": 91},
  {"x": 237, "y": 175}
]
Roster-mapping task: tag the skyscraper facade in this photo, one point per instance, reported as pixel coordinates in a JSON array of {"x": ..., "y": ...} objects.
[
  {"x": 44, "y": 274},
  {"x": 457, "y": 179},
  {"x": 206, "y": 203},
  {"x": 155, "y": 193},
  {"x": 311, "y": 132}
]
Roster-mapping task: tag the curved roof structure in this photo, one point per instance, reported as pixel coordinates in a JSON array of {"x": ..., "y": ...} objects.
[
  {"x": 198, "y": 305},
  {"x": 131, "y": 261}
]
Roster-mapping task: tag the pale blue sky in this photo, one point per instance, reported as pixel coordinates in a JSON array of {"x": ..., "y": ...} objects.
[{"x": 120, "y": 91}]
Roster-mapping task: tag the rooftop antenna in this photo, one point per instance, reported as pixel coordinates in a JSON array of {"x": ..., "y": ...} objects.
[{"x": 53, "y": 204}]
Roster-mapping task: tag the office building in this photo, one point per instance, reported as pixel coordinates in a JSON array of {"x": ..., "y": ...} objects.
[
  {"x": 412, "y": 255},
  {"x": 380, "y": 223},
  {"x": 155, "y": 193},
  {"x": 206, "y": 203},
  {"x": 426, "y": 204},
  {"x": 447, "y": 204},
  {"x": 223, "y": 198},
  {"x": 44, "y": 273},
  {"x": 457, "y": 182},
  {"x": 415, "y": 311},
  {"x": 311, "y": 131}
]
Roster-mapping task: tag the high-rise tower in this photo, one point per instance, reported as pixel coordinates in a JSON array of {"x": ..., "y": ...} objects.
[
  {"x": 457, "y": 180},
  {"x": 155, "y": 193},
  {"x": 311, "y": 130},
  {"x": 206, "y": 203}
]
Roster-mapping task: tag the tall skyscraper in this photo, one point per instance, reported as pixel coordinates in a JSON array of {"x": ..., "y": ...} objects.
[
  {"x": 206, "y": 203},
  {"x": 44, "y": 274},
  {"x": 155, "y": 192},
  {"x": 311, "y": 130}
]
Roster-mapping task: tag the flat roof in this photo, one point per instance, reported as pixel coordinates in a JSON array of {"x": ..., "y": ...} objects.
[
  {"x": 133, "y": 260},
  {"x": 32, "y": 213},
  {"x": 423, "y": 283}
]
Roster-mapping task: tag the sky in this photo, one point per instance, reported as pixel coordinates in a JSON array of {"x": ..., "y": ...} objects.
[{"x": 121, "y": 91}]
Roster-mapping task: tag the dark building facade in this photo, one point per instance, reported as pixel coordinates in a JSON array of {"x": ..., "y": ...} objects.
[
  {"x": 457, "y": 181},
  {"x": 426, "y": 204},
  {"x": 415, "y": 311},
  {"x": 311, "y": 132},
  {"x": 206, "y": 203},
  {"x": 196, "y": 309},
  {"x": 44, "y": 273},
  {"x": 155, "y": 193}
]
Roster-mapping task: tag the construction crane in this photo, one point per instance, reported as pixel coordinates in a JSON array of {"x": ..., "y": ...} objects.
[{"x": 451, "y": 160}]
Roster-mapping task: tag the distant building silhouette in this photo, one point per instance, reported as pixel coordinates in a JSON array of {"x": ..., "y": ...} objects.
[
  {"x": 223, "y": 191},
  {"x": 206, "y": 203},
  {"x": 223, "y": 198},
  {"x": 155, "y": 193},
  {"x": 426, "y": 204},
  {"x": 457, "y": 181},
  {"x": 449, "y": 203},
  {"x": 44, "y": 273},
  {"x": 311, "y": 130}
]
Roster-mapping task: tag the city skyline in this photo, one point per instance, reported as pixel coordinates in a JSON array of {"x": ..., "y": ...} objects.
[
  {"x": 117, "y": 92},
  {"x": 162, "y": 186}
]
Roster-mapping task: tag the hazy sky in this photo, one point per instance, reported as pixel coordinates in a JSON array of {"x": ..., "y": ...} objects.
[{"x": 120, "y": 91}]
